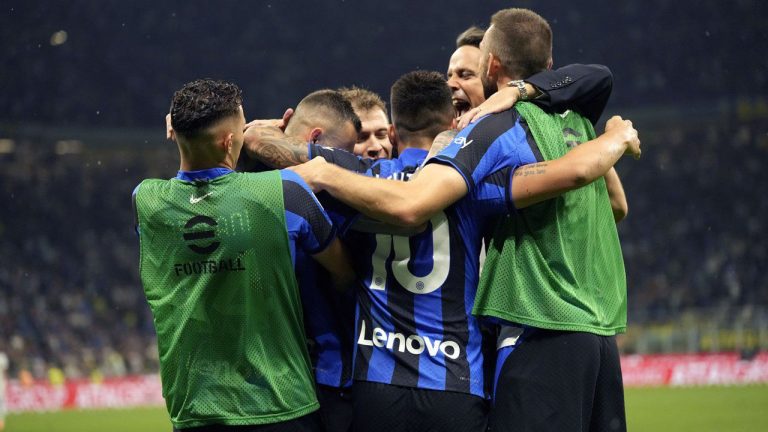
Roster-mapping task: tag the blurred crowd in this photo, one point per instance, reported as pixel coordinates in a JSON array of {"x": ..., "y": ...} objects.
[
  {"x": 695, "y": 237},
  {"x": 71, "y": 301},
  {"x": 72, "y": 304}
]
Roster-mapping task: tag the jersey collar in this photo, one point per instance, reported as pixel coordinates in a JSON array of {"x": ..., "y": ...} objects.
[
  {"x": 206, "y": 174},
  {"x": 413, "y": 156}
]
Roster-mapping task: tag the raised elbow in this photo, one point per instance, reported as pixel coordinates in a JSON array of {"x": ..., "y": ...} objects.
[
  {"x": 580, "y": 176},
  {"x": 619, "y": 213},
  {"x": 408, "y": 217}
]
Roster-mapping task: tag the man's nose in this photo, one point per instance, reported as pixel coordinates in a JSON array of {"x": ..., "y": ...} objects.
[
  {"x": 374, "y": 149},
  {"x": 453, "y": 83}
]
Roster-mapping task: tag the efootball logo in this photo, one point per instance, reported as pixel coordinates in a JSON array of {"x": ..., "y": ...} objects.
[{"x": 194, "y": 236}]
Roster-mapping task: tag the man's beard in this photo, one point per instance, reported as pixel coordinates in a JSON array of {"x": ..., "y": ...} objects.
[{"x": 489, "y": 87}]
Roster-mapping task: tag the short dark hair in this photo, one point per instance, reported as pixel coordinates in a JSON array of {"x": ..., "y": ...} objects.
[
  {"x": 202, "y": 103},
  {"x": 421, "y": 102},
  {"x": 522, "y": 40},
  {"x": 363, "y": 99},
  {"x": 471, "y": 36},
  {"x": 332, "y": 104}
]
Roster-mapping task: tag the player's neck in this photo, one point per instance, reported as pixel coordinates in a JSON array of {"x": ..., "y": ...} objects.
[
  {"x": 503, "y": 79},
  {"x": 192, "y": 165}
]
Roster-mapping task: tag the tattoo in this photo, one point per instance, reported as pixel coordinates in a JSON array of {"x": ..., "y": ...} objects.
[
  {"x": 274, "y": 148},
  {"x": 442, "y": 141},
  {"x": 532, "y": 169}
]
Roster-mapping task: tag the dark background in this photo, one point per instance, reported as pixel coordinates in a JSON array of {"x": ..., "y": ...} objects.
[{"x": 122, "y": 60}]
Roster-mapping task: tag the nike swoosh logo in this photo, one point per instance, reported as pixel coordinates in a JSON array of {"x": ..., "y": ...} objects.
[{"x": 195, "y": 200}]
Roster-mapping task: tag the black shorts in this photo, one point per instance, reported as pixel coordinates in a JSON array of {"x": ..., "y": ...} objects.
[
  {"x": 558, "y": 381},
  {"x": 335, "y": 408},
  {"x": 307, "y": 423},
  {"x": 389, "y": 408}
]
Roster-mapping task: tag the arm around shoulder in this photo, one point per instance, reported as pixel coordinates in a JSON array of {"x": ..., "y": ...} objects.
[
  {"x": 408, "y": 203},
  {"x": 582, "y": 165}
]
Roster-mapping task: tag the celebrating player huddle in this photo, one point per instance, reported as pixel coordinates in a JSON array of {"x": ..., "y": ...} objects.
[{"x": 380, "y": 271}]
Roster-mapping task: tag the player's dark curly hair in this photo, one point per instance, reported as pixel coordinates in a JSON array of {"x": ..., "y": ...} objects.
[
  {"x": 421, "y": 101},
  {"x": 202, "y": 103}
]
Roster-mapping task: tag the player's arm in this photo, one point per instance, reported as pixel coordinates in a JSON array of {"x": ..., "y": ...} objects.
[
  {"x": 441, "y": 141},
  {"x": 616, "y": 195},
  {"x": 409, "y": 203},
  {"x": 438, "y": 186},
  {"x": 584, "y": 89},
  {"x": 314, "y": 231},
  {"x": 272, "y": 147},
  {"x": 582, "y": 165},
  {"x": 578, "y": 87}
]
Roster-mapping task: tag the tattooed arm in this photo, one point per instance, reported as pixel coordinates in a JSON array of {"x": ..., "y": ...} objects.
[
  {"x": 584, "y": 164},
  {"x": 437, "y": 186},
  {"x": 272, "y": 147},
  {"x": 441, "y": 141}
]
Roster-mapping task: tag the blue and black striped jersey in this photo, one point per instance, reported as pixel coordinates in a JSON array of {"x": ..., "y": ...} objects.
[
  {"x": 495, "y": 142},
  {"x": 328, "y": 314},
  {"x": 415, "y": 294}
]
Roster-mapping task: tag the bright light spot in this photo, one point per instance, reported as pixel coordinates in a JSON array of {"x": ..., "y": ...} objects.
[
  {"x": 68, "y": 147},
  {"x": 58, "y": 38},
  {"x": 7, "y": 146}
]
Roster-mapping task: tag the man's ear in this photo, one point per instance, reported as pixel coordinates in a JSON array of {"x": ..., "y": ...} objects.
[
  {"x": 392, "y": 135},
  {"x": 549, "y": 63},
  {"x": 286, "y": 118},
  {"x": 493, "y": 67},
  {"x": 170, "y": 134},
  {"x": 454, "y": 122},
  {"x": 315, "y": 134},
  {"x": 227, "y": 142}
]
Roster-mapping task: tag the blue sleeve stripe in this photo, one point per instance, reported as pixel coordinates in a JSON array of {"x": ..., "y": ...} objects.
[
  {"x": 464, "y": 171},
  {"x": 300, "y": 201}
]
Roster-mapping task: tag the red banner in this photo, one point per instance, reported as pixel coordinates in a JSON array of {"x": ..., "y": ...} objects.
[
  {"x": 111, "y": 393},
  {"x": 638, "y": 370},
  {"x": 693, "y": 370}
]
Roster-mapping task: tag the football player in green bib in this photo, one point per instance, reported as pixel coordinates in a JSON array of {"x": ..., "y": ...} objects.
[{"x": 217, "y": 265}]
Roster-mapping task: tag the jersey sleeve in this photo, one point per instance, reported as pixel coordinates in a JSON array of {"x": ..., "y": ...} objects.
[
  {"x": 305, "y": 218},
  {"x": 341, "y": 158},
  {"x": 495, "y": 142},
  {"x": 582, "y": 88},
  {"x": 493, "y": 196},
  {"x": 135, "y": 209}
]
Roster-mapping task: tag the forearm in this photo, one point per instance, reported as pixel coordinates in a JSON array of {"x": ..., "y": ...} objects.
[
  {"x": 582, "y": 165},
  {"x": 616, "y": 195},
  {"x": 384, "y": 200},
  {"x": 273, "y": 148},
  {"x": 410, "y": 203}
]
